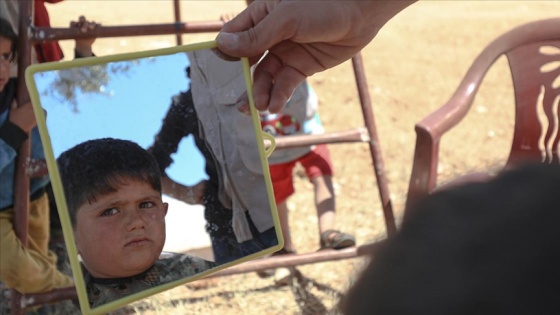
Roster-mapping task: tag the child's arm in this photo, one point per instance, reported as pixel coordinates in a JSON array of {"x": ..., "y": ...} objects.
[
  {"x": 15, "y": 130},
  {"x": 189, "y": 194}
]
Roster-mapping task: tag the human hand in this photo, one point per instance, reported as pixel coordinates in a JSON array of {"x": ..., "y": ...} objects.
[
  {"x": 22, "y": 116},
  {"x": 302, "y": 38},
  {"x": 83, "y": 45}
]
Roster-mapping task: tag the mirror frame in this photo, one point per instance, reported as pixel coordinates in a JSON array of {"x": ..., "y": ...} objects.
[{"x": 59, "y": 192}]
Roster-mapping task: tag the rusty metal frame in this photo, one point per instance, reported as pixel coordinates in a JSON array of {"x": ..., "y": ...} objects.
[{"x": 30, "y": 34}]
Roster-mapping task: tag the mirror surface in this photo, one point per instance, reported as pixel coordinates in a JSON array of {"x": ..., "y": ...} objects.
[{"x": 181, "y": 108}]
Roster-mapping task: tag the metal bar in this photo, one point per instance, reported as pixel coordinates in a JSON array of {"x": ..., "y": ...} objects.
[
  {"x": 53, "y": 296},
  {"x": 354, "y": 135},
  {"x": 177, "y": 10},
  {"x": 44, "y": 34},
  {"x": 41, "y": 34},
  {"x": 374, "y": 145},
  {"x": 21, "y": 181},
  {"x": 297, "y": 259}
]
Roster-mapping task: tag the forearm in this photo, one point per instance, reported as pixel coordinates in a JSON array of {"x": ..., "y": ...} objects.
[{"x": 382, "y": 10}]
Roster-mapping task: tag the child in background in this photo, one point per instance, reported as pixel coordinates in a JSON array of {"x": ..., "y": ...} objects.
[
  {"x": 113, "y": 191},
  {"x": 300, "y": 117},
  {"x": 29, "y": 269}
]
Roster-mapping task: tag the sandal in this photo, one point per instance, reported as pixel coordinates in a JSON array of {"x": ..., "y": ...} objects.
[{"x": 336, "y": 240}]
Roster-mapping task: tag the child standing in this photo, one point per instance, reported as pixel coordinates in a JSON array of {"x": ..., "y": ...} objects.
[
  {"x": 113, "y": 192},
  {"x": 300, "y": 117}
]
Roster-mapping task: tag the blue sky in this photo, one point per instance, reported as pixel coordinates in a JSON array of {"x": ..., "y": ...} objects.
[{"x": 132, "y": 107}]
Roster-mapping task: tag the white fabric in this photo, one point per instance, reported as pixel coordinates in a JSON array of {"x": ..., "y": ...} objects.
[
  {"x": 216, "y": 85},
  {"x": 303, "y": 118}
]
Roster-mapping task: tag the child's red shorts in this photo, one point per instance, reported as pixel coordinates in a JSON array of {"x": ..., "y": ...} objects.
[{"x": 316, "y": 163}]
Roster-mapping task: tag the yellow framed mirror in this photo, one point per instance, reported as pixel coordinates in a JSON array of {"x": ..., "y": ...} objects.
[{"x": 179, "y": 105}]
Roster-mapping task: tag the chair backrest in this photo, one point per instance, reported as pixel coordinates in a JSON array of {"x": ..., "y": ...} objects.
[
  {"x": 535, "y": 70},
  {"x": 533, "y": 53}
]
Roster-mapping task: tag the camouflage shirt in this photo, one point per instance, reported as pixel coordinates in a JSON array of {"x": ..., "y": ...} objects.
[{"x": 170, "y": 267}]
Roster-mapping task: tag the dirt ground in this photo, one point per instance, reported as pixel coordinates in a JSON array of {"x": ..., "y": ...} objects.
[{"x": 412, "y": 67}]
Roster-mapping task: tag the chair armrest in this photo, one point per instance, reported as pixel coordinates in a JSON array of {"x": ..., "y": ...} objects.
[{"x": 429, "y": 130}]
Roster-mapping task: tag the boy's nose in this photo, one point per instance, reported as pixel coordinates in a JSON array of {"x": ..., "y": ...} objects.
[
  {"x": 135, "y": 220},
  {"x": 4, "y": 67}
]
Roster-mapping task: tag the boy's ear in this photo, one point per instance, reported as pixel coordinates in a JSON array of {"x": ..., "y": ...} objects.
[{"x": 165, "y": 207}]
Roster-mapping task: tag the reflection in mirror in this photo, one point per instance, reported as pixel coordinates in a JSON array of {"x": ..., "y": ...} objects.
[{"x": 179, "y": 110}]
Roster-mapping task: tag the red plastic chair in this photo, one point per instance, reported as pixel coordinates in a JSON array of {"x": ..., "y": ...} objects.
[{"x": 535, "y": 87}]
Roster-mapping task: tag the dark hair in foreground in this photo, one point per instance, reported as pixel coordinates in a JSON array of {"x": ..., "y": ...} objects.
[
  {"x": 97, "y": 167},
  {"x": 7, "y": 31},
  {"x": 481, "y": 248}
]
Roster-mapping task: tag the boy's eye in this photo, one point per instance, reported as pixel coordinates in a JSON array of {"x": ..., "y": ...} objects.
[
  {"x": 6, "y": 56},
  {"x": 147, "y": 204},
  {"x": 110, "y": 212}
]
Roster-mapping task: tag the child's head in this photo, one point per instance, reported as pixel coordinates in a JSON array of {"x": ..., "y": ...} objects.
[
  {"x": 478, "y": 248},
  {"x": 113, "y": 193},
  {"x": 8, "y": 45}
]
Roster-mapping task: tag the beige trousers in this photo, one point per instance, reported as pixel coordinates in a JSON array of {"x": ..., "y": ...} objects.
[{"x": 31, "y": 269}]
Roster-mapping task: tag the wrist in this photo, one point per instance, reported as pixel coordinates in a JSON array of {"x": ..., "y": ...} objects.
[
  {"x": 82, "y": 51},
  {"x": 382, "y": 10},
  {"x": 13, "y": 135}
]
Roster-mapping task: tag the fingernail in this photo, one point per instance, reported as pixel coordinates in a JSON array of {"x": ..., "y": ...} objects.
[{"x": 229, "y": 41}]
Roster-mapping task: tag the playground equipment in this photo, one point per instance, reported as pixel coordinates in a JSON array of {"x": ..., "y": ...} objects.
[{"x": 30, "y": 34}]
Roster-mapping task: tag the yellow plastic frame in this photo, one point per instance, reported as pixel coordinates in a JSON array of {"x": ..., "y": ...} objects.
[{"x": 59, "y": 192}]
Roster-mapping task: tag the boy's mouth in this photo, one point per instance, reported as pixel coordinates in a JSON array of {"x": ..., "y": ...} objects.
[{"x": 139, "y": 241}]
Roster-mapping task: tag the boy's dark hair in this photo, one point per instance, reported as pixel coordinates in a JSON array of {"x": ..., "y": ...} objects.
[
  {"x": 7, "y": 31},
  {"x": 97, "y": 167},
  {"x": 481, "y": 248}
]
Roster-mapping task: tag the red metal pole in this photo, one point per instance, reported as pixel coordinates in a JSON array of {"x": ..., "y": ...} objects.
[
  {"x": 374, "y": 145},
  {"x": 44, "y": 34},
  {"x": 21, "y": 180},
  {"x": 177, "y": 10}
]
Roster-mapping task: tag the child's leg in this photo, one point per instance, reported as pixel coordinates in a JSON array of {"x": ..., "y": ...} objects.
[
  {"x": 25, "y": 269},
  {"x": 218, "y": 227},
  {"x": 38, "y": 228},
  {"x": 285, "y": 225},
  {"x": 324, "y": 202},
  {"x": 318, "y": 168}
]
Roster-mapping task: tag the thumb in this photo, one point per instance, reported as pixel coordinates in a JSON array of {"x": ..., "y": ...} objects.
[
  {"x": 14, "y": 105},
  {"x": 252, "y": 32}
]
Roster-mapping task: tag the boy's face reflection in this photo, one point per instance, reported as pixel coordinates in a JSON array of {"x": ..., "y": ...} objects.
[{"x": 121, "y": 234}]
